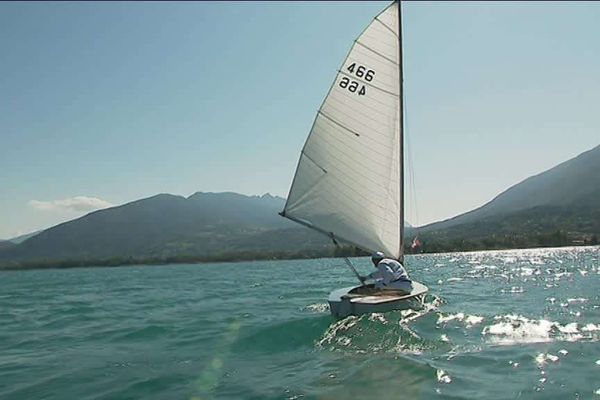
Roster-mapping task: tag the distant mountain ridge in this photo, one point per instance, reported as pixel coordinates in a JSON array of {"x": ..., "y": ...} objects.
[
  {"x": 560, "y": 206},
  {"x": 574, "y": 182},
  {"x": 21, "y": 238},
  {"x": 166, "y": 226},
  {"x": 557, "y": 207}
]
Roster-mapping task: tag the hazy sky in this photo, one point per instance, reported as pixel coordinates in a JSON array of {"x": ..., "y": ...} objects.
[{"x": 105, "y": 103}]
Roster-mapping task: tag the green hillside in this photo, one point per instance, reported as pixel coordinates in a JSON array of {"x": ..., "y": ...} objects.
[
  {"x": 558, "y": 207},
  {"x": 6, "y": 244},
  {"x": 204, "y": 226}
]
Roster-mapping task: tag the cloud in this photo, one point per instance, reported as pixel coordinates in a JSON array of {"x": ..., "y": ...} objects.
[{"x": 77, "y": 203}]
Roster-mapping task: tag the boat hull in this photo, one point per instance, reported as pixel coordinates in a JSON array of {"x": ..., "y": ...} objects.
[{"x": 358, "y": 300}]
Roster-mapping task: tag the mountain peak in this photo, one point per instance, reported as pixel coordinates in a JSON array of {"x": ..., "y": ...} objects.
[
  {"x": 165, "y": 225},
  {"x": 265, "y": 196}
]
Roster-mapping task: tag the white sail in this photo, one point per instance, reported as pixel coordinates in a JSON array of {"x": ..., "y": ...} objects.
[{"x": 348, "y": 178}]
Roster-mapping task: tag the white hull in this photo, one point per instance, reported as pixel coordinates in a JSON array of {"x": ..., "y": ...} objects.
[{"x": 358, "y": 300}]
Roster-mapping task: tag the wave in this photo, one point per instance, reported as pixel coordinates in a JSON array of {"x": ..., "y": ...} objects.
[
  {"x": 391, "y": 332},
  {"x": 285, "y": 336},
  {"x": 469, "y": 320},
  {"x": 514, "y": 329}
]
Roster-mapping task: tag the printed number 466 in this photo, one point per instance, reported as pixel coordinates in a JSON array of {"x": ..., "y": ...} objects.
[
  {"x": 361, "y": 71},
  {"x": 352, "y": 86}
]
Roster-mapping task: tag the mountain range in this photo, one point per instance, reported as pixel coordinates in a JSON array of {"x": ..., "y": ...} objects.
[
  {"x": 5, "y": 244},
  {"x": 207, "y": 226},
  {"x": 559, "y": 206}
]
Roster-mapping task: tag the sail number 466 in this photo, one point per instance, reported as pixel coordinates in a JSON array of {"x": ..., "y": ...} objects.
[{"x": 361, "y": 72}]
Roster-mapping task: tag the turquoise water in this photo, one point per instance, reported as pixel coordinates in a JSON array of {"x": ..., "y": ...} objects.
[{"x": 498, "y": 325}]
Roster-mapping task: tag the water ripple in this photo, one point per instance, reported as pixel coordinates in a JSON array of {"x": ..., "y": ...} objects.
[{"x": 527, "y": 318}]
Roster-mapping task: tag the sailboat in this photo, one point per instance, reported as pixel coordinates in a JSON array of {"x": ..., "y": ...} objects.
[{"x": 349, "y": 182}]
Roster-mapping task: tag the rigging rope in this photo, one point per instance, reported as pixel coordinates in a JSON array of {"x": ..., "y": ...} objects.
[
  {"x": 347, "y": 260},
  {"x": 411, "y": 173}
]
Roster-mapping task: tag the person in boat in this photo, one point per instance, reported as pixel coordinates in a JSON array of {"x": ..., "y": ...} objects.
[{"x": 390, "y": 274}]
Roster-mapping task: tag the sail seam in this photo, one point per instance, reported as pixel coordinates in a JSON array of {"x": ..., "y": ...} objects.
[
  {"x": 313, "y": 161},
  {"x": 350, "y": 166},
  {"x": 345, "y": 187},
  {"x": 358, "y": 208},
  {"x": 338, "y": 123},
  {"x": 368, "y": 110},
  {"x": 368, "y": 84},
  {"x": 334, "y": 107},
  {"x": 378, "y": 160},
  {"x": 365, "y": 105},
  {"x": 385, "y": 25},
  {"x": 376, "y": 52}
]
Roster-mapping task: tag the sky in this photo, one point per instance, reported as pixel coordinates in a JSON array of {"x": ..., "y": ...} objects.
[{"x": 106, "y": 103}]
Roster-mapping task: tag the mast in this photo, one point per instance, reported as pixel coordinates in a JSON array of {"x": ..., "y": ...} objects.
[{"x": 401, "y": 122}]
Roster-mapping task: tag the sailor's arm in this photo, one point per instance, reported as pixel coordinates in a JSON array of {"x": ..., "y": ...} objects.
[{"x": 376, "y": 274}]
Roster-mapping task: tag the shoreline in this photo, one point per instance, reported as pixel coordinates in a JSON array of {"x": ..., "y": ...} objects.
[{"x": 125, "y": 262}]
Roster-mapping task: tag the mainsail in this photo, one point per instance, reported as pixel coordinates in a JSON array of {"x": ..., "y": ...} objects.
[{"x": 348, "y": 183}]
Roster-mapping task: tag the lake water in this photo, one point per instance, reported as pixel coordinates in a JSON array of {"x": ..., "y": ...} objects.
[{"x": 498, "y": 325}]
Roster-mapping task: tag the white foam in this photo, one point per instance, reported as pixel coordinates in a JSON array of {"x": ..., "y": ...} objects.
[
  {"x": 344, "y": 340},
  {"x": 450, "y": 317},
  {"x": 443, "y": 377},
  {"x": 517, "y": 329},
  {"x": 569, "y": 328},
  {"x": 559, "y": 275},
  {"x": 525, "y": 271},
  {"x": 409, "y": 315},
  {"x": 542, "y": 359},
  {"x": 536, "y": 261},
  {"x": 590, "y": 328},
  {"x": 317, "y": 307},
  {"x": 514, "y": 289},
  {"x": 377, "y": 317},
  {"x": 484, "y": 266},
  {"x": 336, "y": 328},
  {"x": 444, "y": 338},
  {"x": 473, "y": 320},
  {"x": 577, "y": 300},
  {"x": 469, "y": 320},
  {"x": 453, "y": 279},
  {"x": 512, "y": 329}
]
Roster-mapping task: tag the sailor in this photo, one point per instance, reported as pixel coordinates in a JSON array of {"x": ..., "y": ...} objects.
[{"x": 390, "y": 274}]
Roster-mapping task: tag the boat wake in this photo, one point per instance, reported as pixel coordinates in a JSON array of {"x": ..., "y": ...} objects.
[{"x": 392, "y": 332}]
